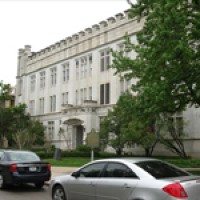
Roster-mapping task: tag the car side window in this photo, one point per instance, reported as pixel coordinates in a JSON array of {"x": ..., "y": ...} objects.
[
  {"x": 118, "y": 170},
  {"x": 92, "y": 171}
]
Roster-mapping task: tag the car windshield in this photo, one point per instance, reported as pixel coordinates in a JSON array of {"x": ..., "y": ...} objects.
[
  {"x": 161, "y": 170},
  {"x": 23, "y": 156}
]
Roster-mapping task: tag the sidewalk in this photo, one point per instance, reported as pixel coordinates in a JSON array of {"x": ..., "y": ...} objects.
[{"x": 58, "y": 171}]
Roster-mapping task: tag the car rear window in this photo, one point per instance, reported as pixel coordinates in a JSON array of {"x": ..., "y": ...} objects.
[
  {"x": 161, "y": 170},
  {"x": 23, "y": 156}
]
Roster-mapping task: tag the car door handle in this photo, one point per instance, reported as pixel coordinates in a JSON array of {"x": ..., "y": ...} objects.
[{"x": 126, "y": 186}]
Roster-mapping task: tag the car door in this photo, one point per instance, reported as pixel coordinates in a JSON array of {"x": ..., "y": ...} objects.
[
  {"x": 83, "y": 186},
  {"x": 117, "y": 182}
]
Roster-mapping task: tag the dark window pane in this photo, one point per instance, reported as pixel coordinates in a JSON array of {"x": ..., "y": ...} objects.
[
  {"x": 107, "y": 93},
  {"x": 92, "y": 170},
  {"x": 102, "y": 94},
  {"x": 161, "y": 170}
]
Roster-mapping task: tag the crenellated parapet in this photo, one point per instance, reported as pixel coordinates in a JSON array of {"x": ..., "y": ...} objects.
[{"x": 114, "y": 28}]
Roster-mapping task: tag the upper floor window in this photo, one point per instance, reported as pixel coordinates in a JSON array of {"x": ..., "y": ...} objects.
[
  {"x": 53, "y": 103},
  {"x": 41, "y": 105},
  {"x": 32, "y": 82},
  {"x": 90, "y": 93},
  {"x": 90, "y": 65},
  {"x": 105, "y": 93},
  {"x": 65, "y": 98},
  {"x": 105, "y": 60},
  {"x": 124, "y": 85},
  {"x": 32, "y": 107},
  {"x": 77, "y": 70},
  {"x": 42, "y": 79},
  {"x": 66, "y": 72},
  {"x": 19, "y": 88},
  {"x": 53, "y": 75}
]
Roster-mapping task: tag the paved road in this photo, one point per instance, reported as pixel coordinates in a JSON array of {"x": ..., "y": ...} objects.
[{"x": 28, "y": 192}]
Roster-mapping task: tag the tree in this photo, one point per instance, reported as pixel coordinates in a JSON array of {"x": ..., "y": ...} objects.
[
  {"x": 167, "y": 64},
  {"x": 127, "y": 127},
  {"x": 5, "y": 115}
]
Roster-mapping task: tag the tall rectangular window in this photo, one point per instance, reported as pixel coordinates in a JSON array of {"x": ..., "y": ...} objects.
[
  {"x": 90, "y": 93},
  {"x": 66, "y": 72},
  {"x": 42, "y": 79},
  {"x": 77, "y": 70},
  {"x": 90, "y": 65},
  {"x": 105, "y": 93},
  {"x": 51, "y": 130},
  {"x": 81, "y": 96},
  {"x": 105, "y": 60},
  {"x": 53, "y": 76},
  {"x": 32, "y": 82},
  {"x": 20, "y": 87},
  {"x": 77, "y": 97},
  {"x": 41, "y": 105},
  {"x": 85, "y": 94},
  {"x": 65, "y": 98},
  {"x": 32, "y": 107},
  {"x": 53, "y": 103}
]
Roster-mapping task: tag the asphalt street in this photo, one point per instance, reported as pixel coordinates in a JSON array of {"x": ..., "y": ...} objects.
[{"x": 25, "y": 192}]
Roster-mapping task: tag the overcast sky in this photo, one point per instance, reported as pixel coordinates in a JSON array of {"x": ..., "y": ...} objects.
[{"x": 41, "y": 23}]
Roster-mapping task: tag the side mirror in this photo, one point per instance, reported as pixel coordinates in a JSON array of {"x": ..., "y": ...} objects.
[{"x": 76, "y": 174}]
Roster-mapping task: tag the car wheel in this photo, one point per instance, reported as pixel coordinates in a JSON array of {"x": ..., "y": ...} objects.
[
  {"x": 2, "y": 182},
  {"x": 39, "y": 185},
  {"x": 58, "y": 193}
]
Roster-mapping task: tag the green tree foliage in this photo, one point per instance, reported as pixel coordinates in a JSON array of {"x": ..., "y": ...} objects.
[
  {"x": 16, "y": 125},
  {"x": 128, "y": 128},
  {"x": 167, "y": 64},
  {"x": 168, "y": 51}
]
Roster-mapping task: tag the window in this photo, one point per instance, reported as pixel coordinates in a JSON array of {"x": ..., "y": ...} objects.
[
  {"x": 65, "y": 97},
  {"x": 41, "y": 105},
  {"x": 85, "y": 94},
  {"x": 53, "y": 76},
  {"x": 77, "y": 70},
  {"x": 90, "y": 93},
  {"x": 105, "y": 93},
  {"x": 92, "y": 171},
  {"x": 53, "y": 103},
  {"x": 32, "y": 107},
  {"x": 51, "y": 130},
  {"x": 81, "y": 96},
  {"x": 66, "y": 72},
  {"x": 32, "y": 82},
  {"x": 124, "y": 85},
  {"x": 118, "y": 170},
  {"x": 77, "y": 97},
  {"x": 161, "y": 170},
  {"x": 104, "y": 60},
  {"x": 42, "y": 79},
  {"x": 90, "y": 65}
]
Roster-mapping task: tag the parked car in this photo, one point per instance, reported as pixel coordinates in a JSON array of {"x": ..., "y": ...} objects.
[
  {"x": 126, "y": 179},
  {"x": 19, "y": 167}
]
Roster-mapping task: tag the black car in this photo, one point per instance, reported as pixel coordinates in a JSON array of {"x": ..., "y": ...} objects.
[{"x": 19, "y": 167}]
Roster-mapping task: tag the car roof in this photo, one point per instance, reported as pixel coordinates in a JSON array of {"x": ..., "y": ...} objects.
[
  {"x": 128, "y": 159},
  {"x": 13, "y": 150}
]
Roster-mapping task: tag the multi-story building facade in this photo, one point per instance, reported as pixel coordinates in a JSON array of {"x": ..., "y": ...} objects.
[{"x": 69, "y": 87}]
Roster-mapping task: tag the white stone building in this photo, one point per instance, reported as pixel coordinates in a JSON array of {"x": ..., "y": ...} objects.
[{"x": 68, "y": 85}]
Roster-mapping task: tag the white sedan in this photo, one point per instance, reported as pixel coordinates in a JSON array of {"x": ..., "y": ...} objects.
[{"x": 126, "y": 179}]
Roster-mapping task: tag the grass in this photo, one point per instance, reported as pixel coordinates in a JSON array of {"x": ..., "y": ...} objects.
[
  {"x": 69, "y": 162},
  {"x": 79, "y": 161}
]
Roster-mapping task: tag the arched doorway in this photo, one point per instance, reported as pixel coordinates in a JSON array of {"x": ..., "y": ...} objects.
[{"x": 76, "y": 132}]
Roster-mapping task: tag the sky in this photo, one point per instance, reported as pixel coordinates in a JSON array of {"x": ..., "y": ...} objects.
[{"x": 40, "y": 23}]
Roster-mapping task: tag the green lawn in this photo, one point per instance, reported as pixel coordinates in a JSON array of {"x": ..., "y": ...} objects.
[{"x": 79, "y": 161}]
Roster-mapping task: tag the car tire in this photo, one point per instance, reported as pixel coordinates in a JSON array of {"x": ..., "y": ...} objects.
[
  {"x": 58, "y": 193},
  {"x": 39, "y": 185},
  {"x": 2, "y": 182}
]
